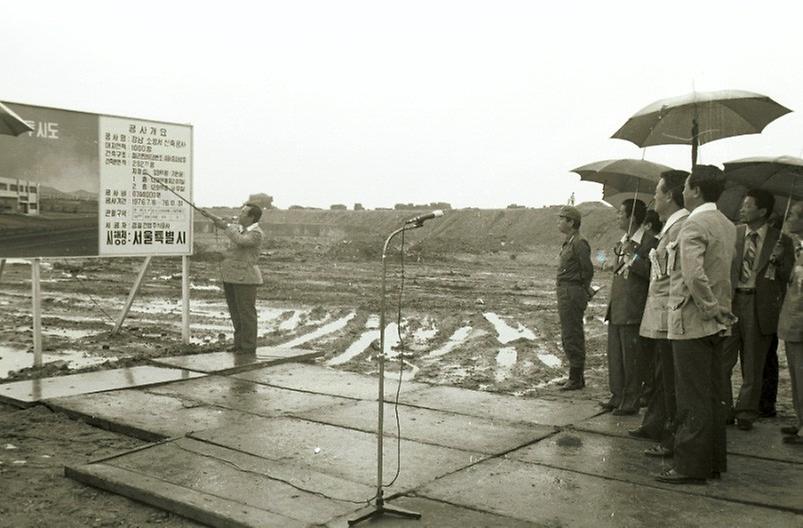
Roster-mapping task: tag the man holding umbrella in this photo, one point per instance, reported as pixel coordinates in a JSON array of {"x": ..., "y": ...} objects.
[
  {"x": 699, "y": 317},
  {"x": 761, "y": 269}
]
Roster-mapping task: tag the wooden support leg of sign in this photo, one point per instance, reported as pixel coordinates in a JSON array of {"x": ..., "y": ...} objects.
[
  {"x": 131, "y": 295},
  {"x": 185, "y": 300},
  {"x": 2, "y": 265},
  {"x": 36, "y": 297}
]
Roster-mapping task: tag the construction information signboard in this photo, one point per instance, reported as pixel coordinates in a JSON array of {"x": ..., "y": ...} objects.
[{"x": 85, "y": 184}]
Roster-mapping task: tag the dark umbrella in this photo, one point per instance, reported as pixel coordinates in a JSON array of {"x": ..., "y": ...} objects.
[
  {"x": 700, "y": 117},
  {"x": 623, "y": 177},
  {"x": 11, "y": 124}
]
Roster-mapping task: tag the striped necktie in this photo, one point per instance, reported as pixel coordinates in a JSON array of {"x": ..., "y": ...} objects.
[{"x": 749, "y": 256}]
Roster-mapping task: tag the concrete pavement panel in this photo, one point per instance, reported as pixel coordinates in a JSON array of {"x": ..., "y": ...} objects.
[
  {"x": 558, "y": 412},
  {"x": 325, "y": 380},
  {"x": 556, "y": 497},
  {"x": 28, "y": 392},
  {"x": 763, "y": 441},
  {"x": 146, "y": 415},
  {"x": 484, "y": 435},
  {"x": 340, "y": 452},
  {"x": 244, "y": 396},
  {"x": 228, "y": 362},
  {"x": 748, "y": 480},
  {"x": 226, "y": 485}
]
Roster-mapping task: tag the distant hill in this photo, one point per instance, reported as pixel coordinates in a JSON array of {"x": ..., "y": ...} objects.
[
  {"x": 458, "y": 230},
  {"x": 46, "y": 191}
]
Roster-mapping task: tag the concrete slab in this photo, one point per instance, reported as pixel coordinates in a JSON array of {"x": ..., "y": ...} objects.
[
  {"x": 325, "y": 380},
  {"x": 483, "y": 435},
  {"x": 244, "y": 396},
  {"x": 555, "y": 497},
  {"x": 148, "y": 416},
  {"x": 340, "y": 452},
  {"x": 224, "y": 487},
  {"x": 435, "y": 514},
  {"x": 500, "y": 406},
  {"x": 228, "y": 362},
  {"x": 748, "y": 480},
  {"x": 764, "y": 441},
  {"x": 28, "y": 392}
]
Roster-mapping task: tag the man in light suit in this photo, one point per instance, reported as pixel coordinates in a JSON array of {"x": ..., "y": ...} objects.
[
  {"x": 241, "y": 274},
  {"x": 631, "y": 280},
  {"x": 699, "y": 317},
  {"x": 790, "y": 327},
  {"x": 659, "y": 418},
  {"x": 762, "y": 264}
]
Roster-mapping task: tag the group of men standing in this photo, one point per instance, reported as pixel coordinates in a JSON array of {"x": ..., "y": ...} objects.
[{"x": 684, "y": 306}]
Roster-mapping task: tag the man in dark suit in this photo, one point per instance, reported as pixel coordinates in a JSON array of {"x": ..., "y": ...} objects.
[
  {"x": 631, "y": 280},
  {"x": 241, "y": 274},
  {"x": 699, "y": 317},
  {"x": 762, "y": 264}
]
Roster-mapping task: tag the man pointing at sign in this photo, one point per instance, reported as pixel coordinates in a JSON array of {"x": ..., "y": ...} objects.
[{"x": 241, "y": 275}]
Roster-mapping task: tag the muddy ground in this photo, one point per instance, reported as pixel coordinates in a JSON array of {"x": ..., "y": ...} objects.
[{"x": 486, "y": 322}]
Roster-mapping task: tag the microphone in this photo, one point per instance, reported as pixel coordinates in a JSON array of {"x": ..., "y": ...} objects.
[{"x": 420, "y": 219}]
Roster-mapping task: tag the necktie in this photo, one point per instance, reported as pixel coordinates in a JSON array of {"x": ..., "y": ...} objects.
[{"x": 749, "y": 256}]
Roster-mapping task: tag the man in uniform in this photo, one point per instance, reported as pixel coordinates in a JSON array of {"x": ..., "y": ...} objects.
[
  {"x": 575, "y": 272},
  {"x": 241, "y": 274}
]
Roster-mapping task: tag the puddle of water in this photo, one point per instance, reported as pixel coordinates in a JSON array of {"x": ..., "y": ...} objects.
[
  {"x": 362, "y": 343},
  {"x": 71, "y": 333},
  {"x": 328, "y": 328},
  {"x": 291, "y": 323},
  {"x": 505, "y": 332},
  {"x": 204, "y": 287},
  {"x": 505, "y": 360},
  {"x": 550, "y": 360},
  {"x": 456, "y": 339},
  {"x": 17, "y": 358}
]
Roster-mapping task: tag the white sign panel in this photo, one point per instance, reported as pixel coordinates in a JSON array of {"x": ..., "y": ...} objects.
[{"x": 140, "y": 163}]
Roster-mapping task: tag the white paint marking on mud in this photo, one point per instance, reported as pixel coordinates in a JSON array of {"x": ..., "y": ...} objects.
[
  {"x": 204, "y": 287},
  {"x": 407, "y": 375},
  {"x": 328, "y": 328},
  {"x": 457, "y": 338},
  {"x": 506, "y": 333}
]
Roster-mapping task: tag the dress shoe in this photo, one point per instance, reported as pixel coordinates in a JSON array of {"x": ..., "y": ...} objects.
[
  {"x": 670, "y": 476},
  {"x": 744, "y": 424},
  {"x": 768, "y": 413},
  {"x": 639, "y": 432},
  {"x": 624, "y": 412},
  {"x": 789, "y": 430},
  {"x": 659, "y": 451},
  {"x": 730, "y": 421},
  {"x": 794, "y": 440},
  {"x": 608, "y": 406}
]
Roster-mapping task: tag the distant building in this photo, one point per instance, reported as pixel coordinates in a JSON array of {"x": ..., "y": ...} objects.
[{"x": 19, "y": 196}]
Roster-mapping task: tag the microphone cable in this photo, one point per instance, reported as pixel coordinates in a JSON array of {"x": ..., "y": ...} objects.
[{"x": 401, "y": 368}]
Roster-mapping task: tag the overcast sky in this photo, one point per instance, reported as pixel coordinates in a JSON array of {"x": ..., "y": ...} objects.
[{"x": 480, "y": 104}]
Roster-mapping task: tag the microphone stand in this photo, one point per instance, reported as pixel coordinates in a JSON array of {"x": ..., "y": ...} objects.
[{"x": 381, "y": 509}]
